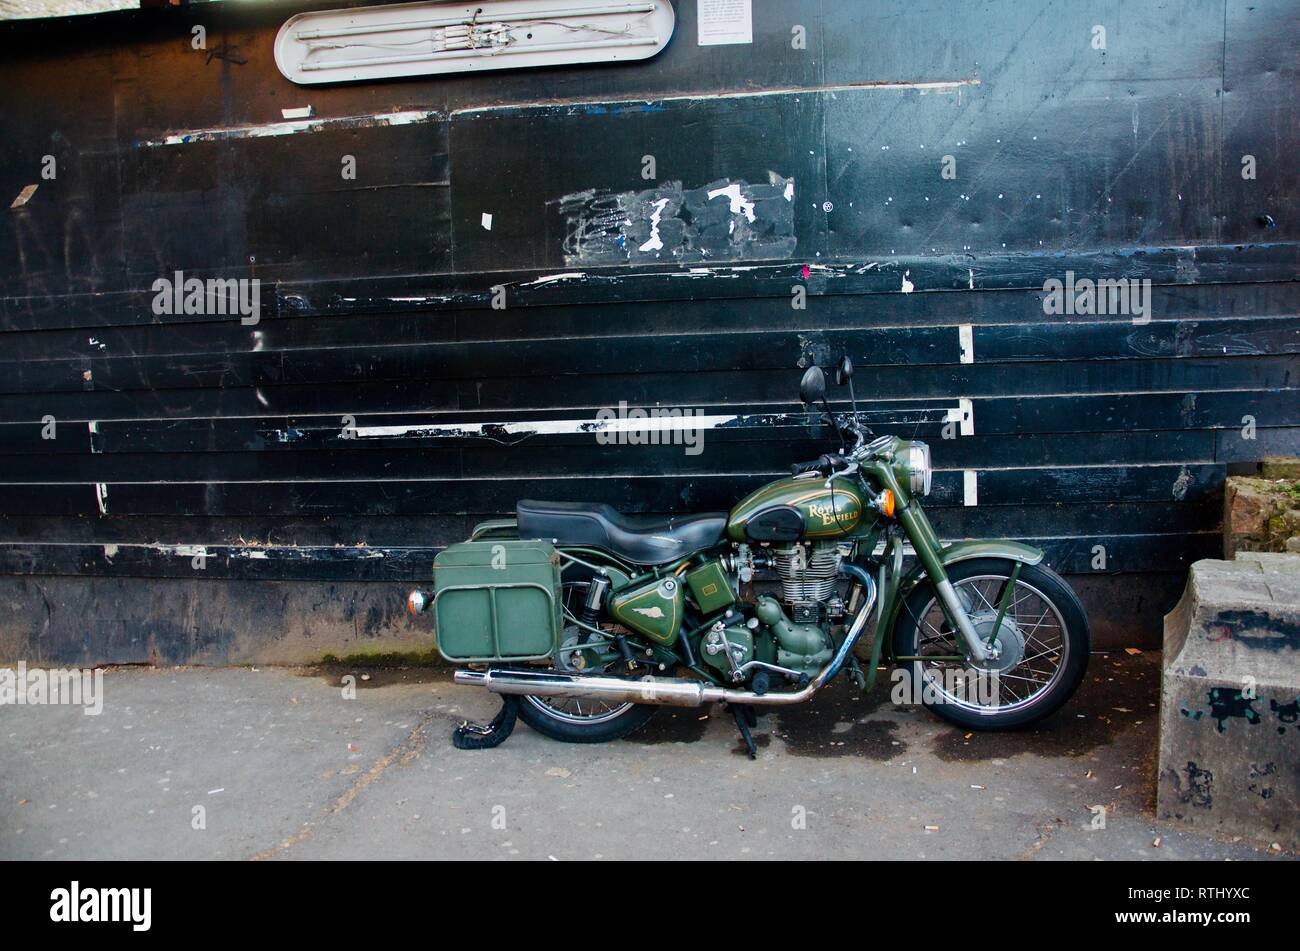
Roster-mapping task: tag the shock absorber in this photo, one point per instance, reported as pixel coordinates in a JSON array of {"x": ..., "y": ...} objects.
[
  {"x": 591, "y": 616},
  {"x": 595, "y": 598}
]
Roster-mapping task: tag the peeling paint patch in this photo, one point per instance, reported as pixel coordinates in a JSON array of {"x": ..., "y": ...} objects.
[
  {"x": 590, "y": 107},
  {"x": 908, "y": 286},
  {"x": 182, "y": 551},
  {"x": 726, "y": 220},
  {"x": 964, "y": 416},
  {"x": 552, "y": 278},
  {"x": 547, "y": 427},
  {"x": 292, "y": 127},
  {"x": 1181, "y": 484},
  {"x": 24, "y": 196},
  {"x": 655, "y": 243},
  {"x": 101, "y": 497}
]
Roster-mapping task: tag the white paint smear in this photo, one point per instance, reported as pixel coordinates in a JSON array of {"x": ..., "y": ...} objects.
[
  {"x": 291, "y": 128},
  {"x": 487, "y": 221},
  {"x": 970, "y": 488},
  {"x": 738, "y": 203},
  {"x": 966, "y": 339},
  {"x": 656, "y": 243},
  {"x": 552, "y": 278},
  {"x": 549, "y": 427},
  {"x": 964, "y": 416}
]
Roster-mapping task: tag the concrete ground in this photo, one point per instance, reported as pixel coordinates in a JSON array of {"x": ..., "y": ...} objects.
[{"x": 278, "y": 764}]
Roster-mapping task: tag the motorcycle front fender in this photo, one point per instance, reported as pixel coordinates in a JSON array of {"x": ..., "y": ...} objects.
[{"x": 951, "y": 555}]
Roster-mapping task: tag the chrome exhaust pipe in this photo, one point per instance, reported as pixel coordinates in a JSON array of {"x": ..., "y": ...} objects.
[{"x": 663, "y": 691}]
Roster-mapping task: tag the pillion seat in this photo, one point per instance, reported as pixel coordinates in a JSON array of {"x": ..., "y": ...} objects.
[{"x": 642, "y": 541}]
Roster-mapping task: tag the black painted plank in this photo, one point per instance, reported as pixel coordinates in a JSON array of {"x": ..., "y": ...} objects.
[
  {"x": 706, "y": 352},
  {"x": 1124, "y": 554},
  {"x": 585, "y": 455},
  {"x": 1084, "y": 520},
  {"x": 654, "y": 493}
]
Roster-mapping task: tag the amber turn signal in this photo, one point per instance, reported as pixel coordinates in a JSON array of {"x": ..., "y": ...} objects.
[
  {"x": 417, "y": 602},
  {"x": 887, "y": 503}
]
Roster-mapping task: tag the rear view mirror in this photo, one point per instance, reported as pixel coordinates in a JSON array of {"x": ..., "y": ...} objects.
[
  {"x": 844, "y": 371},
  {"x": 812, "y": 388}
]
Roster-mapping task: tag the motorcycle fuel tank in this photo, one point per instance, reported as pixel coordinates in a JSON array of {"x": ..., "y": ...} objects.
[{"x": 827, "y": 512}]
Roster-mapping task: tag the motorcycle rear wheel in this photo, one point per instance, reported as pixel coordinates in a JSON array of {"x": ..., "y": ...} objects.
[
  {"x": 582, "y": 721},
  {"x": 551, "y": 721}
]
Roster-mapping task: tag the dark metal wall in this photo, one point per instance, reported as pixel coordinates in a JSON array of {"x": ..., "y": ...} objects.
[{"x": 201, "y": 466}]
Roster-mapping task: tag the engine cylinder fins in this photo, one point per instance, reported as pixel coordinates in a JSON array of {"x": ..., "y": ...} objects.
[{"x": 808, "y": 572}]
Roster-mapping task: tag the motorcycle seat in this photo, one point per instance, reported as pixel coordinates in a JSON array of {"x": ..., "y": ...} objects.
[{"x": 637, "y": 539}]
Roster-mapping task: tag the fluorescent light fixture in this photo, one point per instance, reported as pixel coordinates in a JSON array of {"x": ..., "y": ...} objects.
[{"x": 420, "y": 39}]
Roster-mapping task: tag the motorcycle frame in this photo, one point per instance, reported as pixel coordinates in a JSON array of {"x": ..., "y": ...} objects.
[{"x": 892, "y": 585}]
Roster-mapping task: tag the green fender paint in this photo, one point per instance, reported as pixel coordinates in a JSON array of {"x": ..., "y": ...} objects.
[
  {"x": 827, "y": 512},
  {"x": 953, "y": 554}
]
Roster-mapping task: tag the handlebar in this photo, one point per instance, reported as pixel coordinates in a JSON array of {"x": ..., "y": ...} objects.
[{"x": 826, "y": 463}]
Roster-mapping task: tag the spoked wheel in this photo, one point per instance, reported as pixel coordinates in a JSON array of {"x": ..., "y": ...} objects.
[
  {"x": 582, "y": 720},
  {"x": 1043, "y": 639}
]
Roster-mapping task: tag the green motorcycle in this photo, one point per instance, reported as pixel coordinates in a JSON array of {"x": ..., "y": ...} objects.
[{"x": 586, "y": 621}]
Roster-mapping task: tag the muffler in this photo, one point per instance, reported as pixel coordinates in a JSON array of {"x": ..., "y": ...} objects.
[{"x": 663, "y": 691}]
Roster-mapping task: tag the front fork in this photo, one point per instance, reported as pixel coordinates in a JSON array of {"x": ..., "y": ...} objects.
[{"x": 928, "y": 553}]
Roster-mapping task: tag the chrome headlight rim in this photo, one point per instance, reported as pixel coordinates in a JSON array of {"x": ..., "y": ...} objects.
[{"x": 920, "y": 472}]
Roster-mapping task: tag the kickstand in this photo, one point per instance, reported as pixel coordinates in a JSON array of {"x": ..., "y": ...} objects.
[{"x": 743, "y": 714}]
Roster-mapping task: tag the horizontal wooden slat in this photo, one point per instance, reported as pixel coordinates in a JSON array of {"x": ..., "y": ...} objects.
[
  {"x": 1123, "y": 554},
  {"x": 638, "y": 493}
]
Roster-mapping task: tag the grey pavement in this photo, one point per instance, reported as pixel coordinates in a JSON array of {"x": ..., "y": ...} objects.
[{"x": 277, "y": 764}]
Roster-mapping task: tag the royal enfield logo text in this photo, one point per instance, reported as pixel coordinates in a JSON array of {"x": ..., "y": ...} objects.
[
  {"x": 215, "y": 297},
  {"x": 23, "y": 687},
  {"x": 653, "y": 427},
  {"x": 1105, "y": 297},
  {"x": 830, "y": 518},
  {"x": 74, "y": 904}
]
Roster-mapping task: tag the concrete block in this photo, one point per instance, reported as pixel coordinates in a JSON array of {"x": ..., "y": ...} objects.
[{"x": 1230, "y": 700}]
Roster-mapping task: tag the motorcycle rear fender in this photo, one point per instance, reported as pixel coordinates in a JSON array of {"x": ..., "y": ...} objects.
[{"x": 951, "y": 555}]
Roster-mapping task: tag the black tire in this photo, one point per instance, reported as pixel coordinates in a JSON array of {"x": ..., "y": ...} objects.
[
  {"x": 1075, "y": 638},
  {"x": 559, "y": 725},
  {"x": 548, "y": 723}
]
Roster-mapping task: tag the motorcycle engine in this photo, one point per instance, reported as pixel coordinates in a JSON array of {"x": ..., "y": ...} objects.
[
  {"x": 808, "y": 572},
  {"x": 791, "y": 630}
]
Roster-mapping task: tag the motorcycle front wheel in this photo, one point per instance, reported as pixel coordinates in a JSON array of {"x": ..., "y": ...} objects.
[{"x": 1043, "y": 637}]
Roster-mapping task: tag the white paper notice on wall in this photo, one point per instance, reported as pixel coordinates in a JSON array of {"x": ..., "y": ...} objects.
[{"x": 726, "y": 21}]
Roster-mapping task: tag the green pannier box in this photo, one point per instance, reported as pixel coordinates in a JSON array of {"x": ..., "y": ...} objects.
[{"x": 497, "y": 600}]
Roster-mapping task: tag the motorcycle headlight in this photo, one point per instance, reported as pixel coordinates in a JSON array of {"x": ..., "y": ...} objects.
[{"x": 916, "y": 461}]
